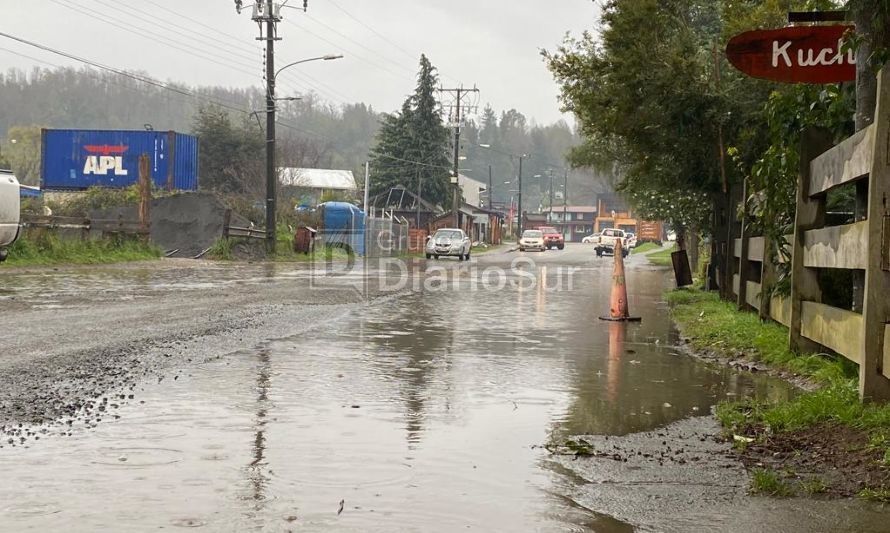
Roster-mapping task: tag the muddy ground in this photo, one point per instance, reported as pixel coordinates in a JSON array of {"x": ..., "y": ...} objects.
[{"x": 73, "y": 347}]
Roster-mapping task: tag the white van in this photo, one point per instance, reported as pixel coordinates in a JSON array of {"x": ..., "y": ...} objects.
[{"x": 9, "y": 211}]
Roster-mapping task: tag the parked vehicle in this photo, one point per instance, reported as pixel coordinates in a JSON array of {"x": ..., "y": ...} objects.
[
  {"x": 449, "y": 242},
  {"x": 631, "y": 240},
  {"x": 606, "y": 243},
  {"x": 9, "y": 212},
  {"x": 553, "y": 238},
  {"x": 532, "y": 239},
  {"x": 593, "y": 238}
]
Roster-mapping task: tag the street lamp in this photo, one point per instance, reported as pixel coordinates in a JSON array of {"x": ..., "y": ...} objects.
[
  {"x": 271, "y": 171},
  {"x": 519, "y": 192}
]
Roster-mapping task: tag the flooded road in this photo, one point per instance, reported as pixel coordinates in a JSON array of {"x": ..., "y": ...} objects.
[{"x": 426, "y": 411}]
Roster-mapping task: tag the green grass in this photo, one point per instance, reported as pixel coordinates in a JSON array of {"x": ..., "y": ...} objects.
[
  {"x": 645, "y": 247},
  {"x": 50, "y": 250},
  {"x": 769, "y": 483},
  {"x": 714, "y": 325},
  {"x": 814, "y": 486},
  {"x": 662, "y": 258},
  {"x": 875, "y": 495},
  {"x": 718, "y": 327}
]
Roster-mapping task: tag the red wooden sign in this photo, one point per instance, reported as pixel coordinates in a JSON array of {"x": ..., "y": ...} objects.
[{"x": 796, "y": 54}]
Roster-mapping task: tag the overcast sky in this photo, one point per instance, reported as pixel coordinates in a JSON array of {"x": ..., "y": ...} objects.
[{"x": 493, "y": 44}]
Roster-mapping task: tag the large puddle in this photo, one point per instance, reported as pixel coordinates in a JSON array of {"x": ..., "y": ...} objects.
[{"x": 423, "y": 413}]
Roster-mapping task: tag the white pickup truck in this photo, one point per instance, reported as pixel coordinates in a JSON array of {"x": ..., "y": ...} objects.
[
  {"x": 9, "y": 211},
  {"x": 606, "y": 242}
]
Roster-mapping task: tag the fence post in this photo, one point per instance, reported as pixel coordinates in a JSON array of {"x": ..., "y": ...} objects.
[
  {"x": 810, "y": 215},
  {"x": 145, "y": 193},
  {"x": 873, "y": 384},
  {"x": 744, "y": 264},
  {"x": 227, "y": 221},
  {"x": 767, "y": 277}
]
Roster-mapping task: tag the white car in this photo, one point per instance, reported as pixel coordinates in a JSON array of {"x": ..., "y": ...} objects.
[
  {"x": 532, "y": 239},
  {"x": 10, "y": 205},
  {"x": 631, "y": 240},
  {"x": 593, "y": 238},
  {"x": 449, "y": 242}
]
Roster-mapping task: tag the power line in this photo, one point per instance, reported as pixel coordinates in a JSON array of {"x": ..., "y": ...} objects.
[
  {"x": 152, "y": 82},
  {"x": 361, "y": 45},
  {"x": 166, "y": 41},
  {"x": 181, "y": 45},
  {"x": 322, "y": 88},
  {"x": 370, "y": 28},
  {"x": 352, "y": 53}
]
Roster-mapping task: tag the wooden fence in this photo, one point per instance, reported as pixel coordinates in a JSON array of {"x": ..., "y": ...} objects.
[
  {"x": 862, "y": 246},
  {"x": 85, "y": 225}
]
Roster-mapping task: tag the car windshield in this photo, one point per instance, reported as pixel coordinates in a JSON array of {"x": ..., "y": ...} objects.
[
  {"x": 448, "y": 234},
  {"x": 532, "y": 234},
  {"x": 549, "y": 230}
]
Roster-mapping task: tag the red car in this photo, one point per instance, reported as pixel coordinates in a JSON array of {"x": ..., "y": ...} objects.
[{"x": 553, "y": 238}]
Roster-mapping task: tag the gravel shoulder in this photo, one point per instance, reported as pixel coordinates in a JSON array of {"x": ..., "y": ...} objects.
[{"x": 65, "y": 356}]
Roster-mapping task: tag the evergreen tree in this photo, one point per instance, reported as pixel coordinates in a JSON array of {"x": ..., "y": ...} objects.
[{"x": 412, "y": 145}]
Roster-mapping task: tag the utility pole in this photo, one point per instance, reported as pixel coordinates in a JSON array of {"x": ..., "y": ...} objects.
[
  {"x": 550, "y": 215},
  {"x": 455, "y": 180},
  {"x": 565, "y": 202},
  {"x": 367, "y": 183},
  {"x": 519, "y": 195},
  {"x": 490, "y": 191},
  {"x": 266, "y": 12}
]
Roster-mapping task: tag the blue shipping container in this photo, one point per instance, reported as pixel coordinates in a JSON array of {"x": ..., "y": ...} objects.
[{"x": 79, "y": 159}]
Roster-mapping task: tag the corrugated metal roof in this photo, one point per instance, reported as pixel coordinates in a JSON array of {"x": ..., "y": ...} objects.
[{"x": 317, "y": 178}]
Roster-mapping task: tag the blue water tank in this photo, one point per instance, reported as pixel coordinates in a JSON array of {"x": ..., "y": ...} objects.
[{"x": 79, "y": 159}]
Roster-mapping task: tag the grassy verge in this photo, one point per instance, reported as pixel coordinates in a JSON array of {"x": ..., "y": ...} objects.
[
  {"x": 50, "y": 250},
  {"x": 662, "y": 258},
  {"x": 842, "y": 444},
  {"x": 645, "y": 247}
]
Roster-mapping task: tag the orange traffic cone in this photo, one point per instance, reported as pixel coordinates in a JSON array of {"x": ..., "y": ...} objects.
[{"x": 618, "y": 311}]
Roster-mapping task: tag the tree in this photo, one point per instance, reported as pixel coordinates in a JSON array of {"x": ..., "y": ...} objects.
[
  {"x": 645, "y": 102},
  {"x": 23, "y": 153},
  {"x": 411, "y": 148},
  {"x": 230, "y": 156}
]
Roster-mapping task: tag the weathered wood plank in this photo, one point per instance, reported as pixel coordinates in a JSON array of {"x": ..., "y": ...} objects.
[
  {"x": 752, "y": 294},
  {"x": 886, "y": 369},
  {"x": 755, "y": 248},
  {"x": 810, "y": 215},
  {"x": 875, "y": 304},
  {"x": 737, "y": 248},
  {"x": 735, "y": 284},
  {"x": 834, "y": 328},
  {"x": 846, "y": 162},
  {"x": 780, "y": 310},
  {"x": 837, "y": 246}
]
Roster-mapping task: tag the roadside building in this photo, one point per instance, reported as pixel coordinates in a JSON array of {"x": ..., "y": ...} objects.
[
  {"x": 534, "y": 221},
  {"x": 402, "y": 203},
  {"x": 310, "y": 186},
  {"x": 574, "y": 221},
  {"x": 613, "y": 212}
]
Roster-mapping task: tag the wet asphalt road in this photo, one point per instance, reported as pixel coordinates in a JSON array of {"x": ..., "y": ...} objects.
[{"x": 266, "y": 398}]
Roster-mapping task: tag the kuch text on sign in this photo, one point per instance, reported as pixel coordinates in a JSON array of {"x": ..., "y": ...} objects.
[{"x": 796, "y": 54}]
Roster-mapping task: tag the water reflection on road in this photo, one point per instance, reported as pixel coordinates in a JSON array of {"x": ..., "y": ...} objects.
[{"x": 423, "y": 413}]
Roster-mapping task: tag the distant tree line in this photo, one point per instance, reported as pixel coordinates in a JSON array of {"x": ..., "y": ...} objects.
[{"x": 312, "y": 133}]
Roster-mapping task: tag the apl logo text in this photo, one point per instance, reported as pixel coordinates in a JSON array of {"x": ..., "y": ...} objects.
[{"x": 101, "y": 160}]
